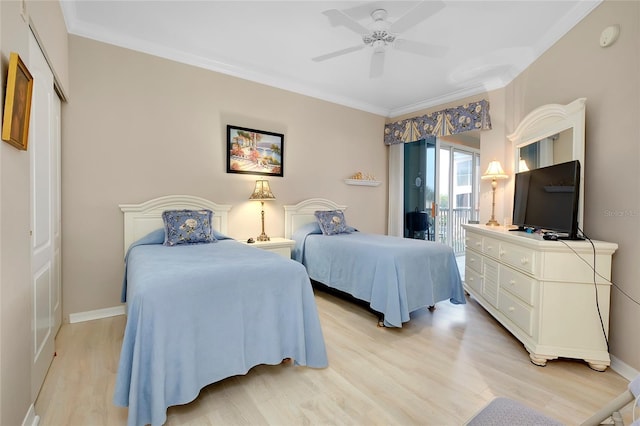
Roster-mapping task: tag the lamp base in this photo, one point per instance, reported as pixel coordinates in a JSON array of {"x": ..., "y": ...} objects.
[
  {"x": 493, "y": 222},
  {"x": 262, "y": 237}
]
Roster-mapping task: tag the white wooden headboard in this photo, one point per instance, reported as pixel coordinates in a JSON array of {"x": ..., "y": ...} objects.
[
  {"x": 140, "y": 219},
  {"x": 302, "y": 213}
]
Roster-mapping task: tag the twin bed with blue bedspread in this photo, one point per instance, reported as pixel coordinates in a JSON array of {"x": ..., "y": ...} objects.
[
  {"x": 199, "y": 313},
  {"x": 396, "y": 276}
]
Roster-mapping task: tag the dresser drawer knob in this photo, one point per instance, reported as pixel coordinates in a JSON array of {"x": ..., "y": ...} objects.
[
  {"x": 511, "y": 309},
  {"x": 512, "y": 282},
  {"x": 524, "y": 260}
]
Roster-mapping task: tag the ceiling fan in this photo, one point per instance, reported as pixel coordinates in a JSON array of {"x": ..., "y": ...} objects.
[{"x": 381, "y": 33}]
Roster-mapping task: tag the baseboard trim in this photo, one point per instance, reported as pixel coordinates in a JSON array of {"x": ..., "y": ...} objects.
[
  {"x": 623, "y": 369},
  {"x": 96, "y": 314},
  {"x": 31, "y": 419}
]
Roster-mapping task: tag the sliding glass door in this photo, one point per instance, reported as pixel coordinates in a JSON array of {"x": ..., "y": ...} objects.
[
  {"x": 441, "y": 182},
  {"x": 457, "y": 194}
]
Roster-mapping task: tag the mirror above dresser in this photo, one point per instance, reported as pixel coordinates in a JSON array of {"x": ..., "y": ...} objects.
[{"x": 552, "y": 134}]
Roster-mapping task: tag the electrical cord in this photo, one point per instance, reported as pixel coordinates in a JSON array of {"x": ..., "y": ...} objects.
[
  {"x": 593, "y": 268},
  {"x": 604, "y": 278},
  {"x": 595, "y": 282}
]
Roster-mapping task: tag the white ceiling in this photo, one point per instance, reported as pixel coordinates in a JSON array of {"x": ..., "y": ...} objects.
[{"x": 273, "y": 42}]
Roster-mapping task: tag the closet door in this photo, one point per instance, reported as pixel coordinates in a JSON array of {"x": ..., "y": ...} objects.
[{"x": 44, "y": 145}]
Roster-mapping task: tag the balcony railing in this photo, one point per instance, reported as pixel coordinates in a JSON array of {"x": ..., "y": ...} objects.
[{"x": 450, "y": 229}]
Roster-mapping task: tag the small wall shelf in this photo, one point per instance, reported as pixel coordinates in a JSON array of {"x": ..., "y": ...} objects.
[{"x": 362, "y": 182}]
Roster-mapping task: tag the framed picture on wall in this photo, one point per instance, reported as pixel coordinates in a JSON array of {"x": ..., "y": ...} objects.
[
  {"x": 254, "y": 152},
  {"x": 17, "y": 103}
]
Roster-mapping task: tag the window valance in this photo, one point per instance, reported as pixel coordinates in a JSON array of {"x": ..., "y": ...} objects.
[{"x": 449, "y": 121}]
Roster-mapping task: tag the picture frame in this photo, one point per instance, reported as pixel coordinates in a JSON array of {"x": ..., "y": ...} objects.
[
  {"x": 17, "y": 103},
  {"x": 254, "y": 152}
]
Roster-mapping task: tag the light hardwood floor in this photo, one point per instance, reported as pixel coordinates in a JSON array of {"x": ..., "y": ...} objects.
[{"x": 439, "y": 369}]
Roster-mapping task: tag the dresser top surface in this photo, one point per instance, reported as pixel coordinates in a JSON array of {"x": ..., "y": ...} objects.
[{"x": 536, "y": 240}]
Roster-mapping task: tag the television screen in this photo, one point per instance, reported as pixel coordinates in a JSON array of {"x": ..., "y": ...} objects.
[{"x": 547, "y": 198}]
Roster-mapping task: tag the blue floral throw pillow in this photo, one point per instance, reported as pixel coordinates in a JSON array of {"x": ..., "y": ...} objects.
[
  {"x": 332, "y": 222},
  {"x": 187, "y": 227}
]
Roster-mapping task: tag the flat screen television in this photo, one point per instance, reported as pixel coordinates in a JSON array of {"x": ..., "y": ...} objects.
[{"x": 547, "y": 199}]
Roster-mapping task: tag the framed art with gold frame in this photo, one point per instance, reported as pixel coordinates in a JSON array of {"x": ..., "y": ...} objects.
[{"x": 17, "y": 103}]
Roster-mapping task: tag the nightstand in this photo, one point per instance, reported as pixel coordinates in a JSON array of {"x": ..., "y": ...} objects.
[{"x": 282, "y": 246}]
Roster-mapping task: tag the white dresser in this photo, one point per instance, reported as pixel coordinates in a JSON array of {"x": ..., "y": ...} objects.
[{"x": 543, "y": 292}]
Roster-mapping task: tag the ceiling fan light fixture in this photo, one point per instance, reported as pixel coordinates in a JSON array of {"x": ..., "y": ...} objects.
[
  {"x": 378, "y": 36},
  {"x": 378, "y": 46}
]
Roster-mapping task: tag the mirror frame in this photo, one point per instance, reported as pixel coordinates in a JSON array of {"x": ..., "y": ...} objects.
[{"x": 548, "y": 120}]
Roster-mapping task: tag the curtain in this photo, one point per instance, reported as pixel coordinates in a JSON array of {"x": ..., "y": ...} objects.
[{"x": 449, "y": 121}]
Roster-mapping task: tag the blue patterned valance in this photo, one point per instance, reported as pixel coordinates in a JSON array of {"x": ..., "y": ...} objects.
[{"x": 450, "y": 121}]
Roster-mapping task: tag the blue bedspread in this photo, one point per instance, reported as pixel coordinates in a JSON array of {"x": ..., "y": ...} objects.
[
  {"x": 395, "y": 275},
  {"x": 197, "y": 314}
]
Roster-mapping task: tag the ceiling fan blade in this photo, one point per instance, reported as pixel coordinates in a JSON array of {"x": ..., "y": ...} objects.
[
  {"x": 422, "y": 11},
  {"x": 336, "y": 17},
  {"x": 420, "y": 48},
  {"x": 338, "y": 53},
  {"x": 377, "y": 64}
]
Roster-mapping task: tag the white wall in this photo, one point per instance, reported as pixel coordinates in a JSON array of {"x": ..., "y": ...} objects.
[{"x": 138, "y": 127}]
